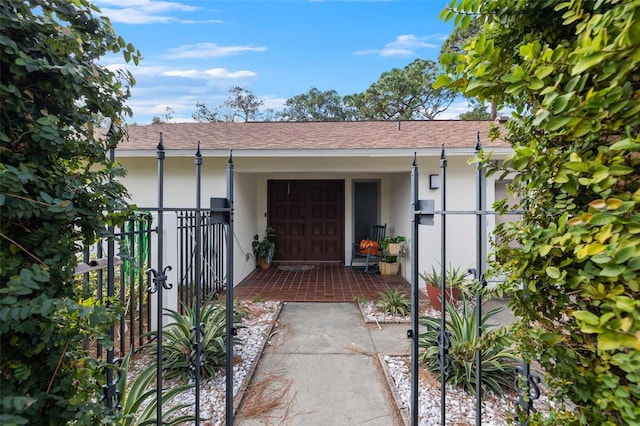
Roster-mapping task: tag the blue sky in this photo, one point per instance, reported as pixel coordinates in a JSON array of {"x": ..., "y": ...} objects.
[{"x": 195, "y": 50}]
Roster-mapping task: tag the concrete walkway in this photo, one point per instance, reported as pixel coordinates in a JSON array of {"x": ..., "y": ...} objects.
[{"x": 321, "y": 368}]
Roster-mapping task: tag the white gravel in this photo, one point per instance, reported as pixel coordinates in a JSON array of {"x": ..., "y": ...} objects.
[
  {"x": 373, "y": 314},
  {"x": 461, "y": 406}
]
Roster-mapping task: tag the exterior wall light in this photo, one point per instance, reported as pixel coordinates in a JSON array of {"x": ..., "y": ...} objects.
[{"x": 434, "y": 181}]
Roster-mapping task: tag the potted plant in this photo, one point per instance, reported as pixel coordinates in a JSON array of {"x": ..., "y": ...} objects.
[
  {"x": 264, "y": 249},
  {"x": 391, "y": 249},
  {"x": 454, "y": 279}
]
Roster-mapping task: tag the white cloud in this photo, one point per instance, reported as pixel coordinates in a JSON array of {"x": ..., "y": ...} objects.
[
  {"x": 207, "y": 21},
  {"x": 183, "y": 73},
  {"x": 273, "y": 102},
  {"x": 404, "y": 45},
  {"x": 157, "y": 100},
  {"x": 164, "y": 71},
  {"x": 223, "y": 73},
  {"x": 135, "y": 16},
  {"x": 149, "y": 6},
  {"x": 208, "y": 50},
  {"x": 146, "y": 11}
]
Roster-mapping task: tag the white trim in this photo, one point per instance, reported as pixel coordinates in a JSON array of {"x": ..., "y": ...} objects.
[{"x": 283, "y": 153}]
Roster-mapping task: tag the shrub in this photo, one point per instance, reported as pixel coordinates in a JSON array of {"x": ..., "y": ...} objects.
[
  {"x": 570, "y": 265},
  {"x": 498, "y": 356},
  {"x": 58, "y": 189}
]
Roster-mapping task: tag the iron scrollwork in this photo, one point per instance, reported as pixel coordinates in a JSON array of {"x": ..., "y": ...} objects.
[
  {"x": 444, "y": 344},
  {"x": 196, "y": 358},
  {"x": 526, "y": 384},
  {"x": 159, "y": 280}
]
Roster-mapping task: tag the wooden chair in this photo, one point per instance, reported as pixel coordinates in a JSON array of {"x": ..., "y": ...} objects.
[{"x": 371, "y": 257}]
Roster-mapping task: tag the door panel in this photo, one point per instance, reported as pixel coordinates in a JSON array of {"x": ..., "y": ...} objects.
[{"x": 308, "y": 217}]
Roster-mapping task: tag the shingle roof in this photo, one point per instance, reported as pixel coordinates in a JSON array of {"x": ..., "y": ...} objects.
[{"x": 343, "y": 135}]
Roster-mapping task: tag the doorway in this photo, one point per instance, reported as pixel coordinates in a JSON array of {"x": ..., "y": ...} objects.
[{"x": 308, "y": 219}]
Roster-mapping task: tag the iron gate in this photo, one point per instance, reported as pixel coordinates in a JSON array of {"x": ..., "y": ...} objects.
[
  {"x": 526, "y": 381},
  {"x": 206, "y": 272},
  {"x": 121, "y": 267}
]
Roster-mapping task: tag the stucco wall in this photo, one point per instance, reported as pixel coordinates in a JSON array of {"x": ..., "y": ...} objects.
[{"x": 251, "y": 175}]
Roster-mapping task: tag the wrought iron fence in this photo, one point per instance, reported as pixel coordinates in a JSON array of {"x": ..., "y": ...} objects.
[
  {"x": 212, "y": 278},
  {"x": 525, "y": 381},
  {"x": 111, "y": 274}
]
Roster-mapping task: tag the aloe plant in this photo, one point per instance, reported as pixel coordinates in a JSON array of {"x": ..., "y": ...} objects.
[{"x": 499, "y": 357}]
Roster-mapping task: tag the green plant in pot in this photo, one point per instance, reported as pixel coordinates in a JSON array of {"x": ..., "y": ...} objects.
[
  {"x": 264, "y": 248},
  {"x": 391, "y": 248},
  {"x": 454, "y": 279}
]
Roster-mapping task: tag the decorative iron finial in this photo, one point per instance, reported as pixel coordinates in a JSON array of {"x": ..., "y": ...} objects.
[
  {"x": 478, "y": 144},
  {"x": 230, "y": 156},
  {"x": 443, "y": 158},
  {"x": 415, "y": 160},
  {"x": 160, "y": 152},
  {"x": 160, "y": 146},
  {"x": 198, "y": 155}
]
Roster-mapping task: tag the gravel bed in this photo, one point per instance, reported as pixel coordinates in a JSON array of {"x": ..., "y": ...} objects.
[
  {"x": 371, "y": 313},
  {"x": 254, "y": 333},
  {"x": 460, "y": 405}
]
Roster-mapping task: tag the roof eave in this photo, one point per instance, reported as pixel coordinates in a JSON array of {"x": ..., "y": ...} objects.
[{"x": 296, "y": 153}]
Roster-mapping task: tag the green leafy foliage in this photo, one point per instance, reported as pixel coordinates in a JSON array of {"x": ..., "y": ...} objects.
[
  {"x": 478, "y": 111},
  {"x": 572, "y": 70},
  {"x": 394, "y": 301},
  {"x": 177, "y": 335},
  {"x": 388, "y": 257},
  {"x": 402, "y": 94},
  {"x": 499, "y": 356},
  {"x": 57, "y": 189},
  {"x": 315, "y": 105},
  {"x": 242, "y": 104}
]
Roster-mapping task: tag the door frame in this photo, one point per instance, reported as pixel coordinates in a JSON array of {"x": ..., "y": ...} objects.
[{"x": 340, "y": 244}]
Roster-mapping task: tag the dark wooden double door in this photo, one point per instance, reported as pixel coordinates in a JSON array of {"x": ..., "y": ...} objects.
[{"x": 308, "y": 218}]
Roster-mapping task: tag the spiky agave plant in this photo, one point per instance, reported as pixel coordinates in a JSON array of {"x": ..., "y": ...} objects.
[
  {"x": 393, "y": 301},
  {"x": 499, "y": 357},
  {"x": 142, "y": 393},
  {"x": 177, "y": 344}
]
